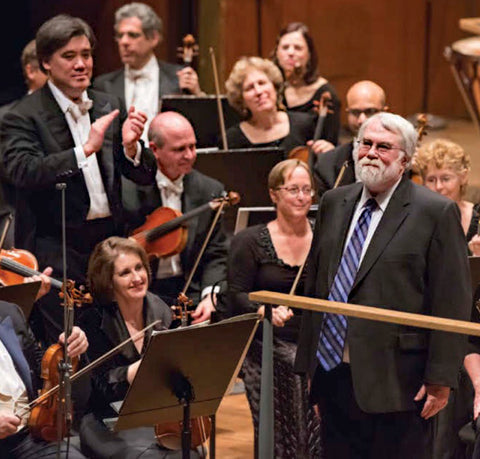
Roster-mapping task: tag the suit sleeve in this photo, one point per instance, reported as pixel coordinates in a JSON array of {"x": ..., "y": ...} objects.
[
  {"x": 213, "y": 261},
  {"x": 24, "y": 160},
  {"x": 305, "y": 337},
  {"x": 449, "y": 295}
]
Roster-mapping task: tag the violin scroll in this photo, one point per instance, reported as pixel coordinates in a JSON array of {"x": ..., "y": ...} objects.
[{"x": 188, "y": 50}]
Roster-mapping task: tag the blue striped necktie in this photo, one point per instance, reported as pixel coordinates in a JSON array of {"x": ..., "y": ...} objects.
[{"x": 334, "y": 327}]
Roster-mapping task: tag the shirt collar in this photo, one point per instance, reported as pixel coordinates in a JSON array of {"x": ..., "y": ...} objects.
[
  {"x": 382, "y": 198},
  {"x": 148, "y": 69},
  {"x": 63, "y": 101}
]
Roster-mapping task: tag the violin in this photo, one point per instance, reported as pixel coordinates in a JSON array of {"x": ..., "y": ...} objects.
[
  {"x": 186, "y": 52},
  {"x": 164, "y": 232},
  {"x": 16, "y": 264},
  {"x": 51, "y": 419},
  {"x": 323, "y": 108},
  {"x": 43, "y": 422}
]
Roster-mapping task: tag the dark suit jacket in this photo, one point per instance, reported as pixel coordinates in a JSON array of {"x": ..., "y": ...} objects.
[
  {"x": 114, "y": 82},
  {"x": 416, "y": 262},
  {"x": 105, "y": 329},
  {"x": 328, "y": 165},
  {"x": 20, "y": 343},
  {"x": 38, "y": 152},
  {"x": 198, "y": 189}
]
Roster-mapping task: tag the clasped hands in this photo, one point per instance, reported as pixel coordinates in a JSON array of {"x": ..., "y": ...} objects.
[
  {"x": 132, "y": 131},
  {"x": 280, "y": 315}
]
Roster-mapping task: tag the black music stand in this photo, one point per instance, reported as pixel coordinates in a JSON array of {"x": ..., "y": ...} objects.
[
  {"x": 244, "y": 171},
  {"x": 202, "y": 113},
  {"x": 193, "y": 366},
  {"x": 22, "y": 295}
]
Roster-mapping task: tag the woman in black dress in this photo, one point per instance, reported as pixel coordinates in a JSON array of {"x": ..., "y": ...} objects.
[
  {"x": 296, "y": 57},
  {"x": 254, "y": 89},
  {"x": 268, "y": 257},
  {"x": 118, "y": 276}
]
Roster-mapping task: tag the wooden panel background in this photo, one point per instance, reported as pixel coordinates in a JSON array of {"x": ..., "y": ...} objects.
[{"x": 356, "y": 39}]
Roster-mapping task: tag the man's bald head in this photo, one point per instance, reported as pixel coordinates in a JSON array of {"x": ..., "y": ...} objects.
[
  {"x": 364, "y": 99},
  {"x": 172, "y": 141}
]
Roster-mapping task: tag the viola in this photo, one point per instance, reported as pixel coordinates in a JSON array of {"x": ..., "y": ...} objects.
[
  {"x": 169, "y": 434},
  {"x": 323, "y": 108},
  {"x": 164, "y": 232}
]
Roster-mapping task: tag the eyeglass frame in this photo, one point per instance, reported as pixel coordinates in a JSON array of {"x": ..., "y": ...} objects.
[
  {"x": 291, "y": 191},
  {"x": 362, "y": 146}
]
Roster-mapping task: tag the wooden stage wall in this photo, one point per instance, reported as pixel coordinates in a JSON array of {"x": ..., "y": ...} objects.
[{"x": 356, "y": 39}]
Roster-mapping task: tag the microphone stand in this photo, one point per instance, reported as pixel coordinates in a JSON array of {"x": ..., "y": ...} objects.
[{"x": 64, "y": 415}]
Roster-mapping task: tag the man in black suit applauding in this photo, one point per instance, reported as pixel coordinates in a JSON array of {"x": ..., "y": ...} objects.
[
  {"x": 64, "y": 133},
  {"x": 398, "y": 246},
  {"x": 364, "y": 99}
]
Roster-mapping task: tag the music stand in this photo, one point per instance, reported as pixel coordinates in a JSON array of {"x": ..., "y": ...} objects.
[
  {"x": 244, "y": 171},
  {"x": 205, "y": 357},
  {"x": 22, "y": 295},
  {"x": 250, "y": 216},
  {"x": 202, "y": 113}
]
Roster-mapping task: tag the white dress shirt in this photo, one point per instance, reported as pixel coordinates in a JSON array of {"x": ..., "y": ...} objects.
[
  {"x": 13, "y": 394},
  {"x": 80, "y": 128},
  {"x": 142, "y": 90},
  {"x": 171, "y": 193}
]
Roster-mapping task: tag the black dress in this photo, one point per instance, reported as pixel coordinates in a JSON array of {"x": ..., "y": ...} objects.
[
  {"x": 459, "y": 410},
  {"x": 331, "y": 128},
  {"x": 301, "y": 129},
  {"x": 254, "y": 265},
  {"x": 105, "y": 329}
]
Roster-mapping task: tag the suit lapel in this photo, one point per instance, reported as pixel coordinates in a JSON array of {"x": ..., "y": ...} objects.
[
  {"x": 118, "y": 85},
  {"x": 342, "y": 220},
  {"x": 11, "y": 342},
  {"x": 188, "y": 204},
  {"x": 395, "y": 213},
  {"x": 54, "y": 118}
]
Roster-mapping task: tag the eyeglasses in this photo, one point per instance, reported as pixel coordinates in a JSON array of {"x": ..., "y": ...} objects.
[
  {"x": 295, "y": 190},
  {"x": 368, "y": 112},
  {"x": 381, "y": 147},
  {"x": 131, "y": 35}
]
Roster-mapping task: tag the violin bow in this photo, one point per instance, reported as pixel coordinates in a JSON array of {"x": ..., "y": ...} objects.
[
  {"x": 86, "y": 369},
  {"x": 221, "y": 118}
]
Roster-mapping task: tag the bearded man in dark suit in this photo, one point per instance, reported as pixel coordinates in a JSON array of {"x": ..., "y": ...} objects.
[{"x": 398, "y": 246}]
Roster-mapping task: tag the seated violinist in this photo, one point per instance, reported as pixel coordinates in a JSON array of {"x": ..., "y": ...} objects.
[
  {"x": 20, "y": 363},
  {"x": 254, "y": 89},
  {"x": 118, "y": 276},
  {"x": 175, "y": 184}
]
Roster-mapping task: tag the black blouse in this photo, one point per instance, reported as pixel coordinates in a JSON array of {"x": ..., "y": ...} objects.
[
  {"x": 105, "y": 329},
  {"x": 331, "y": 128},
  {"x": 301, "y": 129},
  {"x": 253, "y": 265}
]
